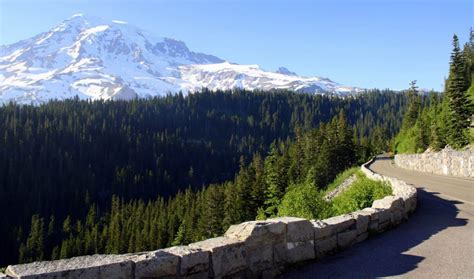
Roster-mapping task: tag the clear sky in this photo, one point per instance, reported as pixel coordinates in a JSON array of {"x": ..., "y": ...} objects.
[{"x": 370, "y": 43}]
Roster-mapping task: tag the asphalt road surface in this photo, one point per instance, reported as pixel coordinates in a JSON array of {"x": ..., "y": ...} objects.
[{"x": 436, "y": 242}]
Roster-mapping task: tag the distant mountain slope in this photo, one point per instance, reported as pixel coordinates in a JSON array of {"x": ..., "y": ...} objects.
[{"x": 96, "y": 59}]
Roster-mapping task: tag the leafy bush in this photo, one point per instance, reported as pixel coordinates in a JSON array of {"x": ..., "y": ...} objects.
[
  {"x": 305, "y": 201},
  {"x": 360, "y": 195}
]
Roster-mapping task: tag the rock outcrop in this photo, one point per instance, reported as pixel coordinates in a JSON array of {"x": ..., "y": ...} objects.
[{"x": 341, "y": 188}]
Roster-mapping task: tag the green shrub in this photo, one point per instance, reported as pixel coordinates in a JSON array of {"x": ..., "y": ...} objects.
[
  {"x": 360, "y": 195},
  {"x": 304, "y": 201},
  {"x": 340, "y": 178}
]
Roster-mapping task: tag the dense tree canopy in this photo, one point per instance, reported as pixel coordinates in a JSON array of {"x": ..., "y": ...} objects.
[
  {"x": 256, "y": 192},
  {"x": 65, "y": 166}
]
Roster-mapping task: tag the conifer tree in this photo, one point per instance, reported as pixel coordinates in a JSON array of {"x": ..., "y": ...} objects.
[
  {"x": 179, "y": 239},
  {"x": 413, "y": 108},
  {"x": 469, "y": 57},
  {"x": 214, "y": 200},
  {"x": 243, "y": 185},
  {"x": 258, "y": 184},
  {"x": 232, "y": 206},
  {"x": 34, "y": 248},
  {"x": 261, "y": 215},
  {"x": 273, "y": 192},
  {"x": 345, "y": 144},
  {"x": 459, "y": 116}
]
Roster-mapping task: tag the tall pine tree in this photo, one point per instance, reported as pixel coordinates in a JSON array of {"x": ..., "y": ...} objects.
[
  {"x": 273, "y": 192},
  {"x": 413, "y": 108},
  {"x": 458, "y": 116}
]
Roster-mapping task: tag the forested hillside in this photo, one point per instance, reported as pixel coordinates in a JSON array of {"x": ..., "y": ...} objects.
[
  {"x": 447, "y": 118},
  {"x": 288, "y": 180},
  {"x": 67, "y": 168}
]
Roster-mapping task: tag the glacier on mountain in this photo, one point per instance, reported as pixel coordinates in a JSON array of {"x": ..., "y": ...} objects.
[{"x": 95, "y": 59}]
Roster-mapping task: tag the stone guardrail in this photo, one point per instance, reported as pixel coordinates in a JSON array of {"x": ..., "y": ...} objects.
[
  {"x": 255, "y": 249},
  {"x": 446, "y": 162}
]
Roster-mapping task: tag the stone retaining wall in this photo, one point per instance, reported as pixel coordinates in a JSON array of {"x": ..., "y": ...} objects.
[
  {"x": 255, "y": 249},
  {"x": 446, "y": 162}
]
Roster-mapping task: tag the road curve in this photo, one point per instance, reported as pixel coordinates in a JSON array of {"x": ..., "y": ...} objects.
[{"x": 436, "y": 242}]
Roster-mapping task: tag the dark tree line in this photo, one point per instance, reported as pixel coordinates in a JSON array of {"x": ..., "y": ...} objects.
[
  {"x": 64, "y": 161},
  {"x": 314, "y": 157}
]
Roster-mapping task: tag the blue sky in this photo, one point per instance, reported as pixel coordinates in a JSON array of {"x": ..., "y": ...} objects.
[{"x": 383, "y": 44}]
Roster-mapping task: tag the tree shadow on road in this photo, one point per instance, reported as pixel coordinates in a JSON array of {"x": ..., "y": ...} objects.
[{"x": 383, "y": 255}]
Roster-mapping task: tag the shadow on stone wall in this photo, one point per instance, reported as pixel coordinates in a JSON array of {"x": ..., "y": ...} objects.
[{"x": 383, "y": 255}]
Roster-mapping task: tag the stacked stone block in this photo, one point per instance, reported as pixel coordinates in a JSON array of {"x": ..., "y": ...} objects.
[{"x": 446, "y": 162}]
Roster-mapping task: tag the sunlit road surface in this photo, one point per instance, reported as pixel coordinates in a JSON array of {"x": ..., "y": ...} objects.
[{"x": 436, "y": 242}]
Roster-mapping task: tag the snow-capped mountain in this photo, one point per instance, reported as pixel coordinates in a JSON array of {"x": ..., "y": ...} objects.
[
  {"x": 91, "y": 58},
  {"x": 285, "y": 71}
]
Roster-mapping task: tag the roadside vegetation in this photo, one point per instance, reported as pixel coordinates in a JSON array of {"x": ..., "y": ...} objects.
[
  {"x": 306, "y": 201},
  {"x": 361, "y": 194},
  {"x": 445, "y": 119}
]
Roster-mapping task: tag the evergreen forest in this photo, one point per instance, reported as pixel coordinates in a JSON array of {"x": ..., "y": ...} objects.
[
  {"x": 69, "y": 169},
  {"x": 84, "y": 177}
]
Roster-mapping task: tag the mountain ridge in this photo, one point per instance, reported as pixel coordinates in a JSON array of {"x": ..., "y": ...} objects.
[{"x": 96, "y": 59}]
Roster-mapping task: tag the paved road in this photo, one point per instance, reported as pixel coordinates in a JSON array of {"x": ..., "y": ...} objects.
[{"x": 436, "y": 242}]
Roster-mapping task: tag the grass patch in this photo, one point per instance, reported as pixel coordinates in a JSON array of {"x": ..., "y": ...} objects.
[
  {"x": 361, "y": 194},
  {"x": 340, "y": 178}
]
